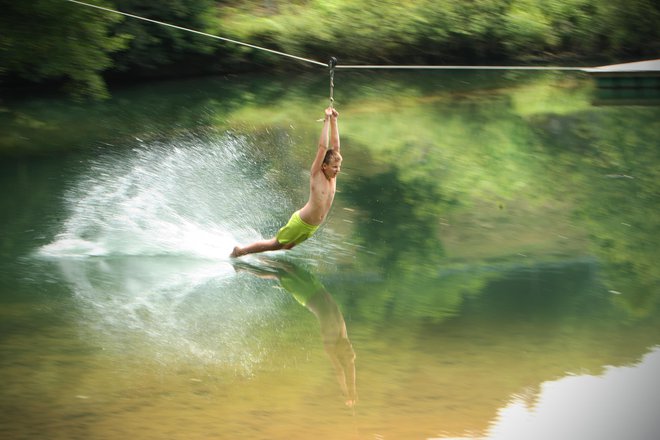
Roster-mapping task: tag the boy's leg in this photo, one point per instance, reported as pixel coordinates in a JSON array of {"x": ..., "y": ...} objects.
[{"x": 256, "y": 247}]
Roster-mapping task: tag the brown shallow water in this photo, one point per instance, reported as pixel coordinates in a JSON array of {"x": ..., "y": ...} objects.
[{"x": 475, "y": 375}]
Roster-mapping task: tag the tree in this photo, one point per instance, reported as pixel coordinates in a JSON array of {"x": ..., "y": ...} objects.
[
  {"x": 153, "y": 46},
  {"x": 47, "y": 40}
]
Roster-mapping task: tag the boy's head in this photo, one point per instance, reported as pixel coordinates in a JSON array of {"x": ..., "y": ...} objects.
[{"x": 331, "y": 163}]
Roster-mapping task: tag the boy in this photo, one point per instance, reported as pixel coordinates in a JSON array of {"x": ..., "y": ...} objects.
[{"x": 322, "y": 186}]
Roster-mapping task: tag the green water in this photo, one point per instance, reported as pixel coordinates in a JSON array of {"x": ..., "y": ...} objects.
[{"x": 488, "y": 271}]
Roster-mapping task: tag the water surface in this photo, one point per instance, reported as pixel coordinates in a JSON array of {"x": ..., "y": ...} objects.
[{"x": 489, "y": 269}]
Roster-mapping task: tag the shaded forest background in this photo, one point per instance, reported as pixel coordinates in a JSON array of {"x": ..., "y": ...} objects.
[{"x": 62, "y": 43}]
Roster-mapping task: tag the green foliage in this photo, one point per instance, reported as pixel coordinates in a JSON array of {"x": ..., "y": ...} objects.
[
  {"x": 526, "y": 26},
  {"x": 616, "y": 152},
  {"x": 43, "y": 39},
  {"x": 153, "y": 46},
  {"x": 399, "y": 218},
  {"x": 630, "y": 29},
  {"x": 474, "y": 31}
]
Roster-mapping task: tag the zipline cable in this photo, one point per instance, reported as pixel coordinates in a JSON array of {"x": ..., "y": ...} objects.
[
  {"x": 198, "y": 32},
  {"x": 422, "y": 67}
]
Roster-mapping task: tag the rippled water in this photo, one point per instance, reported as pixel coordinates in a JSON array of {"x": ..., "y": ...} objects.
[{"x": 487, "y": 272}]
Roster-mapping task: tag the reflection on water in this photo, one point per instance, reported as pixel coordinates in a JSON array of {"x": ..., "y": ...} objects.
[
  {"x": 623, "y": 402},
  {"x": 310, "y": 293},
  {"x": 491, "y": 253},
  {"x": 170, "y": 310}
]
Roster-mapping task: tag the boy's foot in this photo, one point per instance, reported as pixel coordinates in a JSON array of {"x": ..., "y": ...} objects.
[{"x": 236, "y": 252}]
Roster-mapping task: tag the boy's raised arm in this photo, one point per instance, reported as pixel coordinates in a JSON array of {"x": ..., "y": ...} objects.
[
  {"x": 323, "y": 142},
  {"x": 334, "y": 131}
]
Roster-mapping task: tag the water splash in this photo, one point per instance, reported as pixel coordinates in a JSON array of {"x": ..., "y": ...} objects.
[
  {"x": 188, "y": 197},
  {"x": 145, "y": 251}
]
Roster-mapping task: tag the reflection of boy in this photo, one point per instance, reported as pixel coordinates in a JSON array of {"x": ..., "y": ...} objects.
[
  {"x": 309, "y": 292},
  {"x": 322, "y": 187}
]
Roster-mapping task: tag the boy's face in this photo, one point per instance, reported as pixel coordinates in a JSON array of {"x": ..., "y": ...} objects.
[{"x": 332, "y": 169}]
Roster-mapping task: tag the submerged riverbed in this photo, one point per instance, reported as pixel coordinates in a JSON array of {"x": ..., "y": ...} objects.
[{"x": 488, "y": 271}]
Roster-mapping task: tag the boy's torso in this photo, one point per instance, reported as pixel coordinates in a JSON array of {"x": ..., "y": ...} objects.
[{"x": 321, "y": 194}]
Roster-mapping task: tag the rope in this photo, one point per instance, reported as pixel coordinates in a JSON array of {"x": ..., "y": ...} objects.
[
  {"x": 332, "y": 64},
  {"x": 198, "y": 32}
]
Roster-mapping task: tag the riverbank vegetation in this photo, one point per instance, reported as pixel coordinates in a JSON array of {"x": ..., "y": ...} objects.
[{"x": 81, "y": 47}]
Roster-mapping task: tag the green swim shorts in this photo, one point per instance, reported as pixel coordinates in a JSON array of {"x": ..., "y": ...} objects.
[
  {"x": 303, "y": 286},
  {"x": 295, "y": 231}
]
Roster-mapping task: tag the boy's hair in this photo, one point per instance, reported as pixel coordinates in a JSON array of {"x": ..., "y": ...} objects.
[{"x": 331, "y": 155}]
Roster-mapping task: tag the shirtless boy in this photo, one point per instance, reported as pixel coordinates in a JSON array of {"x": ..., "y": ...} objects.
[{"x": 322, "y": 185}]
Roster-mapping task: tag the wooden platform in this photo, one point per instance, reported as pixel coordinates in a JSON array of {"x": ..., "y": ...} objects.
[
  {"x": 641, "y": 74},
  {"x": 627, "y": 84}
]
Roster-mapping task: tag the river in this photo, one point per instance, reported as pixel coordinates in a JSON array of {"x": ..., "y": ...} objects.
[{"x": 488, "y": 270}]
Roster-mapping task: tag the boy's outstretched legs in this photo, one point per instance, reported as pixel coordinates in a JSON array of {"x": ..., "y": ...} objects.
[{"x": 259, "y": 246}]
